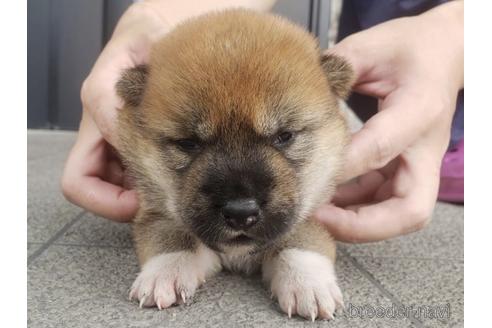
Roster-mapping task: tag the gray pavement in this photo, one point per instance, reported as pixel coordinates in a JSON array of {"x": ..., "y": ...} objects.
[{"x": 80, "y": 268}]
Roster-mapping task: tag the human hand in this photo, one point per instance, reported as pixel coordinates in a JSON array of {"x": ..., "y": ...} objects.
[
  {"x": 414, "y": 66},
  {"x": 93, "y": 177}
]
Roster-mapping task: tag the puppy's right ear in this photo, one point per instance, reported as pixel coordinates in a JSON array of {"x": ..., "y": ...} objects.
[
  {"x": 131, "y": 86},
  {"x": 339, "y": 73}
]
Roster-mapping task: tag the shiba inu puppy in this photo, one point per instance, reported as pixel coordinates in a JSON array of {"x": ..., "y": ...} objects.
[{"x": 233, "y": 136}]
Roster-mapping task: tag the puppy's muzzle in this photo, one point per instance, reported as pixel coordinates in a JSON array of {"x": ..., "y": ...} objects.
[{"x": 241, "y": 214}]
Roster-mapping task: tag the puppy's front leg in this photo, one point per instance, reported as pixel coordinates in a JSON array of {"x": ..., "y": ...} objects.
[
  {"x": 301, "y": 274},
  {"x": 173, "y": 263}
]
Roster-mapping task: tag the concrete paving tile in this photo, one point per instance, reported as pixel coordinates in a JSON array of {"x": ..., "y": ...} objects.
[
  {"x": 46, "y": 220},
  {"x": 31, "y": 248},
  {"x": 420, "y": 283},
  {"x": 88, "y": 287},
  {"x": 74, "y": 286},
  {"x": 47, "y": 209},
  {"x": 441, "y": 239},
  {"x": 93, "y": 230},
  {"x": 358, "y": 291},
  {"x": 47, "y": 143}
]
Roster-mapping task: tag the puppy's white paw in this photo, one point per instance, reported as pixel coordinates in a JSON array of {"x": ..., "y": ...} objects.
[
  {"x": 171, "y": 278},
  {"x": 304, "y": 283}
]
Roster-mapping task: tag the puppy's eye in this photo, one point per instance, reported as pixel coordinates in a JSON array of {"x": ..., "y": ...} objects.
[
  {"x": 188, "y": 145},
  {"x": 284, "y": 138}
]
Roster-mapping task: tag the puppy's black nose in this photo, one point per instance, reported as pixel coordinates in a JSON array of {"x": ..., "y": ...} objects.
[{"x": 241, "y": 214}]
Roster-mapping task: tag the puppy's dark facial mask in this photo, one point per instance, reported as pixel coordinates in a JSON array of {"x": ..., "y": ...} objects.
[{"x": 247, "y": 129}]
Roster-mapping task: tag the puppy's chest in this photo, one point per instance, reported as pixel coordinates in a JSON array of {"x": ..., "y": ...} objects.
[{"x": 240, "y": 260}]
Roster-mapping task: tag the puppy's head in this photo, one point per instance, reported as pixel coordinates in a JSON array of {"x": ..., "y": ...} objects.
[{"x": 233, "y": 128}]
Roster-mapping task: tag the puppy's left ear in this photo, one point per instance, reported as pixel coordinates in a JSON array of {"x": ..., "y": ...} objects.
[
  {"x": 131, "y": 85},
  {"x": 339, "y": 73}
]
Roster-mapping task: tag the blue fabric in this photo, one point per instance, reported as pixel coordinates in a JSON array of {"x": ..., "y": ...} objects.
[{"x": 372, "y": 12}]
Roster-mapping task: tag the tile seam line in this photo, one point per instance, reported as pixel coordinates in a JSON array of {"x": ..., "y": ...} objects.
[
  {"x": 412, "y": 258},
  {"x": 90, "y": 245},
  {"x": 56, "y": 243},
  {"x": 368, "y": 275},
  {"x": 55, "y": 237},
  {"x": 450, "y": 259}
]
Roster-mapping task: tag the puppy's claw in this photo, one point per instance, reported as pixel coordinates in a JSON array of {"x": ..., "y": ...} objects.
[
  {"x": 313, "y": 316},
  {"x": 183, "y": 296},
  {"x": 142, "y": 301},
  {"x": 289, "y": 311},
  {"x": 159, "y": 305}
]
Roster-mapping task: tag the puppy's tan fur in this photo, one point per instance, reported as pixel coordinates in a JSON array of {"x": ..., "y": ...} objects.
[{"x": 228, "y": 73}]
